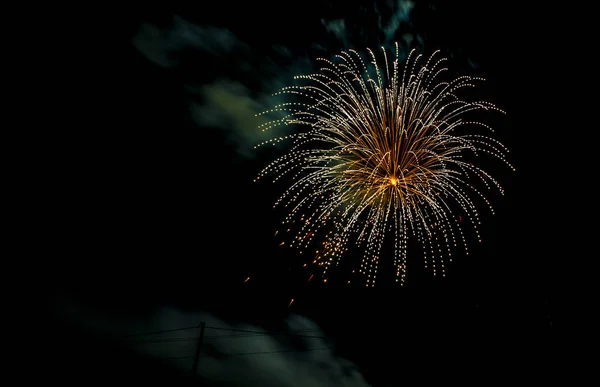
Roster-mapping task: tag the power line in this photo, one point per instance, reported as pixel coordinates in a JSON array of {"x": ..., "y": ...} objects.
[
  {"x": 251, "y": 333},
  {"x": 270, "y": 332},
  {"x": 192, "y": 338},
  {"x": 245, "y": 333},
  {"x": 163, "y": 331},
  {"x": 252, "y": 353},
  {"x": 261, "y": 334}
]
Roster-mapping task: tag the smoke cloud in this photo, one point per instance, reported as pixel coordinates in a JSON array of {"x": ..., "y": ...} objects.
[
  {"x": 231, "y": 99},
  {"x": 233, "y": 354},
  {"x": 228, "y": 102}
]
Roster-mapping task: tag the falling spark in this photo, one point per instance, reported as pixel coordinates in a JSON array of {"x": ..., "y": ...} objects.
[{"x": 381, "y": 151}]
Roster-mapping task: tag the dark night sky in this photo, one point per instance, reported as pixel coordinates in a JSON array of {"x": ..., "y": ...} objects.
[{"x": 161, "y": 209}]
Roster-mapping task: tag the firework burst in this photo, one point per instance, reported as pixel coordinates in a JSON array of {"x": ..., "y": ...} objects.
[{"x": 382, "y": 151}]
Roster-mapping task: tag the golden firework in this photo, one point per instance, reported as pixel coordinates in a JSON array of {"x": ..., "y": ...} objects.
[{"x": 378, "y": 149}]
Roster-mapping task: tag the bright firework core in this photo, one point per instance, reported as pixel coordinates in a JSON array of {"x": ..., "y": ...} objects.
[{"x": 362, "y": 128}]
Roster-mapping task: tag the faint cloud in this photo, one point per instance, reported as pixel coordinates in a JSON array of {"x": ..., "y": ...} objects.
[
  {"x": 472, "y": 63},
  {"x": 337, "y": 28},
  {"x": 318, "y": 46},
  {"x": 165, "y": 46},
  {"x": 399, "y": 14},
  {"x": 390, "y": 20},
  {"x": 228, "y": 105},
  {"x": 233, "y": 354},
  {"x": 282, "y": 50}
]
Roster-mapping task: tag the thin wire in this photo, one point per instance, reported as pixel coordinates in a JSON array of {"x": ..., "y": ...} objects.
[
  {"x": 268, "y": 332},
  {"x": 164, "y": 331},
  {"x": 255, "y": 333},
  {"x": 252, "y": 353},
  {"x": 179, "y": 339}
]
